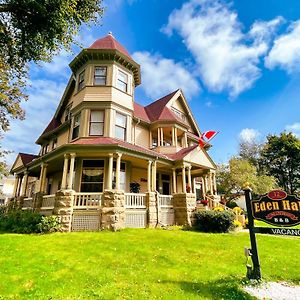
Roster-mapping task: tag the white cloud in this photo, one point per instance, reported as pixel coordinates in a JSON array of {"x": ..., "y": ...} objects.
[
  {"x": 286, "y": 50},
  {"x": 208, "y": 104},
  {"x": 227, "y": 59},
  {"x": 161, "y": 75},
  {"x": 293, "y": 127},
  {"x": 249, "y": 134},
  {"x": 44, "y": 96}
]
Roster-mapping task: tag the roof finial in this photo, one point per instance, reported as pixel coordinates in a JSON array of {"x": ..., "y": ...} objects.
[{"x": 110, "y": 33}]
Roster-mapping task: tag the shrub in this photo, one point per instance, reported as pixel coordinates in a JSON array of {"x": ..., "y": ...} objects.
[
  {"x": 214, "y": 221},
  {"x": 237, "y": 224},
  {"x": 231, "y": 204},
  {"x": 219, "y": 208},
  {"x": 19, "y": 221},
  {"x": 49, "y": 224}
]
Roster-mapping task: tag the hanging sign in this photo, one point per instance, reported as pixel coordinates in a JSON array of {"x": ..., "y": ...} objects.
[{"x": 277, "y": 208}]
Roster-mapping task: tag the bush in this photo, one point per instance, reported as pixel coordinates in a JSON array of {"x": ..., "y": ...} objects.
[
  {"x": 19, "y": 221},
  {"x": 231, "y": 204},
  {"x": 49, "y": 224},
  {"x": 214, "y": 221}
]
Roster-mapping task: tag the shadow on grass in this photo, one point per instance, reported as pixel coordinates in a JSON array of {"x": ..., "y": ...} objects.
[{"x": 227, "y": 288}]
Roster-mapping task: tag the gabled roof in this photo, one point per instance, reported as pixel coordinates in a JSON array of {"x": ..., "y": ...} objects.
[
  {"x": 54, "y": 123},
  {"x": 22, "y": 160},
  {"x": 140, "y": 112},
  {"x": 109, "y": 42}
]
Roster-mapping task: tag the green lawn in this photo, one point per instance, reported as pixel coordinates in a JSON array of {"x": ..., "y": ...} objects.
[{"x": 138, "y": 264}]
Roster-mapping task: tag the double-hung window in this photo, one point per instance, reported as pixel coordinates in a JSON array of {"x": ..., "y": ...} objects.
[
  {"x": 100, "y": 75},
  {"x": 92, "y": 176},
  {"x": 96, "y": 122},
  {"x": 122, "y": 81},
  {"x": 76, "y": 126},
  {"x": 120, "y": 127},
  {"x": 81, "y": 83}
]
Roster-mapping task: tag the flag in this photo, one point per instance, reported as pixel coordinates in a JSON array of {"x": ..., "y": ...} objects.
[{"x": 206, "y": 137}]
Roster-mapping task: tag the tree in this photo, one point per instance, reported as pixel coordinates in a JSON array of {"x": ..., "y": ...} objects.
[
  {"x": 35, "y": 30},
  {"x": 280, "y": 157},
  {"x": 250, "y": 150},
  {"x": 231, "y": 179}
]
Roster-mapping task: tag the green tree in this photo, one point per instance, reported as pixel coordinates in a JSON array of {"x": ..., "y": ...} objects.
[
  {"x": 35, "y": 30},
  {"x": 280, "y": 157},
  {"x": 250, "y": 150}
]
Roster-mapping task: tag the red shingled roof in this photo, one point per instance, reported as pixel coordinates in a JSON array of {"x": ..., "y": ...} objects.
[
  {"x": 182, "y": 153},
  {"x": 27, "y": 158},
  {"x": 54, "y": 123},
  {"x": 117, "y": 142},
  {"x": 140, "y": 112},
  {"x": 109, "y": 42}
]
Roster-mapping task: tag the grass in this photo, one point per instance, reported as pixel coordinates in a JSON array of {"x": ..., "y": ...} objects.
[{"x": 138, "y": 264}]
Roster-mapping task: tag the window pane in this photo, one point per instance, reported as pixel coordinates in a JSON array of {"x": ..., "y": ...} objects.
[
  {"x": 100, "y": 71},
  {"x": 96, "y": 128},
  {"x": 77, "y": 120},
  {"x": 122, "y": 86},
  {"x": 100, "y": 81},
  {"x": 123, "y": 77},
  {"x": 97, "y": 116},
  {"x": 120, "y": 120},
  {"x": 120, "y": 133},
  {"x": 75, "y": 133}
]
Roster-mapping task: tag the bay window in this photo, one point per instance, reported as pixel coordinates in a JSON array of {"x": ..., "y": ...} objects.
[
  {"x": 122, "y": 81},
  {"x": 120, "y": 127},
  {"x": 76, "y": 126},
  {"x": 96, "y": 122},
  {"x": 100, "y": 75},
  {"x": 81, "y": 83}
]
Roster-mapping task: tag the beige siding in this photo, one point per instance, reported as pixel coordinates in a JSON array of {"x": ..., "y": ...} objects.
[
  {"x": 136, "y": 175},
  {"x": 178, "y": 105},
  {"x": 198, "y": 156},
  {"x": 63, "y": 138},
  {"x": 141, "y": 136}
]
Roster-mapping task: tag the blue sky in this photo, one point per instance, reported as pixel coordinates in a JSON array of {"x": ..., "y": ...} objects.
[{"x": 237, "y": 62}]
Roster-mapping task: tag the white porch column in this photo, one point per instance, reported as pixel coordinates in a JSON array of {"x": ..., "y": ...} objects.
[
  {"x": 24, "y": 184},
  {"x": 65, "y": 172},
  {"x": 194, "y": 185},
  {"x": 175, "y": 135},
  {"x": 72, "y": 165},
  {"x": 149, "y": 176},
  {"x": 162, "y": 136},
  {"x": 183, "y": 180},
  {"x": 203, "y": 185},
  {"x": 118, "y": 170},
  {"x": 185, "y": 139},
  {"x": 110, "y": 171},
  {"x": 154, "y": 176},
  {"x": 189, "y": 178},
  {"x": 215, "y": 184},
  {"x": 17, "y": 178},
  {"x": 158, "y": 136},
  {"x": 174, "y": 181}
]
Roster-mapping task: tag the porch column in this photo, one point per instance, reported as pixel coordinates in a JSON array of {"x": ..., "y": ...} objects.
[
  {"x": 183, "y": 180},
  {"x": 150, "y": 139},
  {"x": 211, "y": 183},
  {"x": 110, "y": 171},
  {"x": 194, "y": 185},
  {"x": 43, "y": 185},
  {"x": 203, "y": 185},
  {"x": 175, "y": 135},
  {"x": 189, "y": 178},
  {"x": 185, "y": 139},
  {"x": 17, "y": 178},
  {"x": 174, "y": 181},
  {"x": 154, "y": 176},
  {"x": 65, "y": 172},
  {"x": 162, "y": 136},
  {"x": 158, "y": 136},
  {"x": 24, "y": 184},
  {"x": 72, "y": 165},
  {"x": 118, "y": 169},
  {"x": 149, "y": 176},
  {"x": 215, "y": 184},
  {"x": 40, "y": 186}
]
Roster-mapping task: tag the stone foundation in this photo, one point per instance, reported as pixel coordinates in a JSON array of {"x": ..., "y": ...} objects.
[
  {"x": 63, "y": 208},
  {"x": 151, "y": 203},
  {"x": 113, "y": 210},
  {"x": 184, "y": 208},
  {"x": 37, "y": 201}
]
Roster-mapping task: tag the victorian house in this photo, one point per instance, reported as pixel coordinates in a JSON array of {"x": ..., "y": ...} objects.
[{"x": 106, "y": 161}]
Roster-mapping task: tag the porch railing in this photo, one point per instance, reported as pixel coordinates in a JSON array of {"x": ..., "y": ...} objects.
[
  {"x": 27, "y": 203},
  {"x": 165, "y": 200},
  {"x": 133, "y": 200},
  {"x": 87, "y": 200},
  {"x": 48, "y": 201}
]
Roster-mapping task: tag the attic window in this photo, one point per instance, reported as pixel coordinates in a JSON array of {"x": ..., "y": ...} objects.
[
  {"x": 81, "y": 81},
  {"x": 179, "y": 114},
  {"x": 100, "y": 76}
]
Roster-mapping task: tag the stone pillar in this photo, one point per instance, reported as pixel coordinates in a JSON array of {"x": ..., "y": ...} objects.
[
  {"x": 65, "y": 172},
  {"x": 37, "y": 201},
  {"x": 24, "y": 185},
  {"x": 113, "y": 210},
  {"x": 149, "y": 176},
  {"x": 118, "y": 170},
  {"x": 183, "y": 180},
  {"x": 154, "y": 176},
  {"x": 184, "y": 208},
  {"x": 63, "y": 208},
  {"x": 151, "y": 203},
  {"x": 72, "y": 165},
  {"x": 174, "y": 181}
]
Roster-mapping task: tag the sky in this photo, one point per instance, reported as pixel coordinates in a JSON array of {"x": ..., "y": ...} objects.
[{"x": 237, "y": 62}]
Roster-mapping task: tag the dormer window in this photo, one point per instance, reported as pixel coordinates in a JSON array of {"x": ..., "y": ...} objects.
[
  {"x": 76, "y": 125},
  {"x": 100, "y": 75},
  {"x": 96, "y": 122},
  {"x": 120, "y": 126},
  {"x": 81, "y": 83},
  {"x": 122, "y": 81}
]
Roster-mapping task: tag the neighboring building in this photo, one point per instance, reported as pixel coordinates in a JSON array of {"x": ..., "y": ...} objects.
[
  {"x": 6, "y": 189},
  {"x": 109, "y": 162}
]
